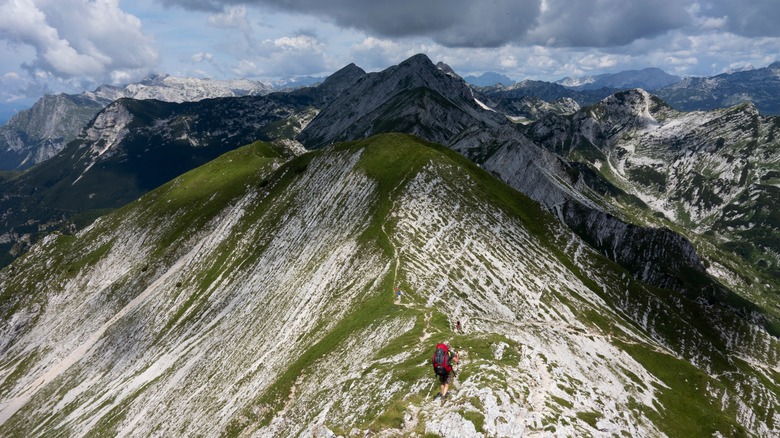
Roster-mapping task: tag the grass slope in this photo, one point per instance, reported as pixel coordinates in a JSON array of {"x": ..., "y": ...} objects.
[{"x": 549, "y": 322}]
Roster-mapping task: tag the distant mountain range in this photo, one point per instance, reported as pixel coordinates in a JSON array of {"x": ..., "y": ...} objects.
[
  {"x": 489, "y": 79},
  {"x": 34, "y": 135},
  {"x": 760, "y": 86},
  {"x": 649, "y": 79},
  {"x": 614, "y": 266}
]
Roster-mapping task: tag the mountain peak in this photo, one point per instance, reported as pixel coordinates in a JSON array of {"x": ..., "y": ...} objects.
[
  {"x": 418, "y": 59},
  {"x": 447, "y": 69},
  {"x": 489, "y": 79},
  {"x": 350, "y": 73},
  {"x": 381, "y": 103},
  {"x": 635, "y": 105}
]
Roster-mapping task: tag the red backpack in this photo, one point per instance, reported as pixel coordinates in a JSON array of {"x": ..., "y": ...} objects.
[{"x": 441, "y": 360}]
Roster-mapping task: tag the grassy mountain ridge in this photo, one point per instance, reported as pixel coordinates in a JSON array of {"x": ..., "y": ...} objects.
[{"x": 254, "y": 295}]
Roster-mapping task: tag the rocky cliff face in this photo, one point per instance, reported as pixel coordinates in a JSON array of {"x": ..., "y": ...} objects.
[
  {"x": 37, "y": 134},
  {"x": 527, "y": 109},
  {"x": 172, "y": 89},
  {"x": 255, "y": 296},
  {"x": 703, "y": 171}
]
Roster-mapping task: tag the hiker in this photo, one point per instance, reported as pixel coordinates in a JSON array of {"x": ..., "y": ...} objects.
[
  {"x": 457, "y": 327},
  {"x": 398, "y": 293},
  {"x": 443, "y": 360}
]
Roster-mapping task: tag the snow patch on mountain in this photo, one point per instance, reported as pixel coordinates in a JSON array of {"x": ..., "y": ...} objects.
[{"x": 483, "y": 106}]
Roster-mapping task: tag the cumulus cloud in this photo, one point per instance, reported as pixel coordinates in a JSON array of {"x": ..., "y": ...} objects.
[
  {"x": 299, "y": 54},
  {"x": 202, "y": 57},
  {"x": 78, "y": 38},
  {"x": 232, "y": 17}
]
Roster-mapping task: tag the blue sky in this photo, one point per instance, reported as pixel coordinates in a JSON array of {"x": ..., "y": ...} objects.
[{"x": 50, "y": 46}]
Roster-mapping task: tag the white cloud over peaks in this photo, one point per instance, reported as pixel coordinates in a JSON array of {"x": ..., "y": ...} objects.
[
  {"x": 284, "y": 56},
  {"x": 201, "y": 56},
  {"x": 300, "y": 42},
  {"x": 232, "y": 17},
  {"x": 78, "y": 38}
]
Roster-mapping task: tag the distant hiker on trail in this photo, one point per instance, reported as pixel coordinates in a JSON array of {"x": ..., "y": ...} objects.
[
  {"x": 458, "y": 327},
  {"x": 443, "y": 360},
  {"x": 398, "y": 293}
]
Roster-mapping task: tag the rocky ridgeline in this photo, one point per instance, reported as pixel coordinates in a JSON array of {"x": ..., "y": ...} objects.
[
  {"x": 264, "y": 305},
  {"x": 419, "y": 98}
]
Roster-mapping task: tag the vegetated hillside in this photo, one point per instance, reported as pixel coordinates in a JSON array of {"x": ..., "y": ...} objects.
[
  {"x": 255, "y": 296},
  {"x": 714, "y": 175},
  {"x": 131, "y": 147}
]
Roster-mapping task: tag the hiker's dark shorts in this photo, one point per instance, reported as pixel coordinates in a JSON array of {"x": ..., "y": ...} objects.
[{"x": 445, "y": 379}]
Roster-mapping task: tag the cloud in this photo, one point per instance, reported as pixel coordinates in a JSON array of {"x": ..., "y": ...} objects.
[
  {"x": 750, "y": 18},
  {"x": 232, "y": 17},
  {"x": 284, "y": 56},
  {"x": 553, "y": 23},
  {"x": 454, "y": 23},
  {"x": 604, "y": 23},
  {"x": 201, "y": 57},
  {"x": 78, "y": 39}
]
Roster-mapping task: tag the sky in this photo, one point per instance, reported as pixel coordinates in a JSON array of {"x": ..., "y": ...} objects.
[{"x": 53, "y": 46}]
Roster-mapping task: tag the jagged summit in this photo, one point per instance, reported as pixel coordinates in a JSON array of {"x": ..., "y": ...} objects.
[
  {"x": 414, "y": 96},
  {"x": 447, "y": 69},
  {"x": 341, "y": 80},
  {"x": 420, "y": 59}
]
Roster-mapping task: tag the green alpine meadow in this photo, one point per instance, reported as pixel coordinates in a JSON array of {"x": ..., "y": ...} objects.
[{"x": 256, "y": 296}]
